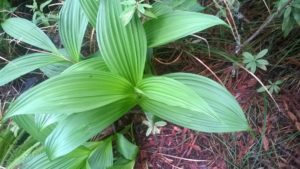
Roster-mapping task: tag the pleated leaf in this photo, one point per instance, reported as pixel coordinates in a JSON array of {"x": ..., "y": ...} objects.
[
  {"x": 90, "y": 8},
  {"x": 126, "y": 148},
  {"x": 26, "y": 64},
  {"x": 24, "y": 30},
  {"x": 123, "y": 47},
  {"x": 127, "y": 165},
  {"x": 93, "y": 64},
  {"x": 30, "y": 125},
  {"x": 41, "y": 161},
  {"x": 71, "y": 93},
  {"x": 55, "y": 69},
  {"x": 72, "y": 26},
  {"x": 222, "y": 102},
  {"x": 102, "y": 156},
  {"x": 178, "y": 24},
  {"x": 78, "y": 128},
  {"x": 170, "y": 92}
]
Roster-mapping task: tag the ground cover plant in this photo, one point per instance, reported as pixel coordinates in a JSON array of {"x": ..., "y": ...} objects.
[
  {"x": 96, "y": 92},
  {"x": 115, "y": 60}
]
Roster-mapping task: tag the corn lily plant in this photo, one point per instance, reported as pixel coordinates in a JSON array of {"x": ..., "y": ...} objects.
[{"x": 87, "y": 96}]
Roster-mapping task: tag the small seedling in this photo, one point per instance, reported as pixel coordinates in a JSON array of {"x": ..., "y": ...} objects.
[
  {"x": 153, "y": 125},
  {"x": 131, "y": 6},
  {"x": 39, "y": 16},
  {"x": 255, "y": 61},
  {"x": 272, "y": 87}
]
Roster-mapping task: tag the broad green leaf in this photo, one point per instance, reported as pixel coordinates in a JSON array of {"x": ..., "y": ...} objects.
[
  {"x": 126, "y": 148},
  {"x": 178, "y": 24},
  {"x": 102, "y": 156},
  {"x": 24, "y": 30},
  {"x": 123, "y": 47},
  {"x": 93, "y": 64},
  {"x": 78, "y": 128},
  {"x": 55, "y": 69},
  {"x": 42, "y": 161},
  {"x": 72, "y": 93},
  {"x": 231, "y": 115},
  {"x": 26, "y": 64},
  {"x": 31, "y": 125},
  {"x": 90, "y": 8},
  {"x": 159, "y": 8},
  {"x": 171, "y": 92},
  {"x": 128, "y": 165},
  {"x": 44, "y": 120},
  {"x": 72, "y": 26}
]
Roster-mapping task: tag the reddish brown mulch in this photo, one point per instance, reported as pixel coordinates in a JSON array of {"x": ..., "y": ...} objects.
[{"x": 275, "y": 145}]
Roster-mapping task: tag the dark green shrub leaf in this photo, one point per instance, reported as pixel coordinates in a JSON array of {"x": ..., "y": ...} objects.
[{"x": 296, "y": 14}]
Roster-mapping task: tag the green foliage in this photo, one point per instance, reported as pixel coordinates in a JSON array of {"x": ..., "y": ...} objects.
[
  {"x": 255, "y": 61},
  {"x": 5, "y": 9},
  {"x": 161, "y": 7},
  {"x": 132, "y": 6},
  {"x": 291, "y": 16},
  {"x": 26, "y": 31},
  {"x": 39, "y": 15},
  {"x": 272, "y": 87},
  {"x": 14, "y": 145},
  {"x": 162, "y": 30},
  {"x": 65, "y": 111},
  {"x": 153, "y": 124}
]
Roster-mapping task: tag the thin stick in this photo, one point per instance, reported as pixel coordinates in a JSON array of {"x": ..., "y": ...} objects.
[
  {"x": 169, "y": 63},
  {"x": 181, "y": 158},
  {"x": 212, "y": 72},
  {"x": 261, "y": 83},
  {"x": 263, "y": 26},
  {"x": 4, "y": 59},
  {"x": 208, "y": 48},
  {"x": 267, "y": 7}
]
